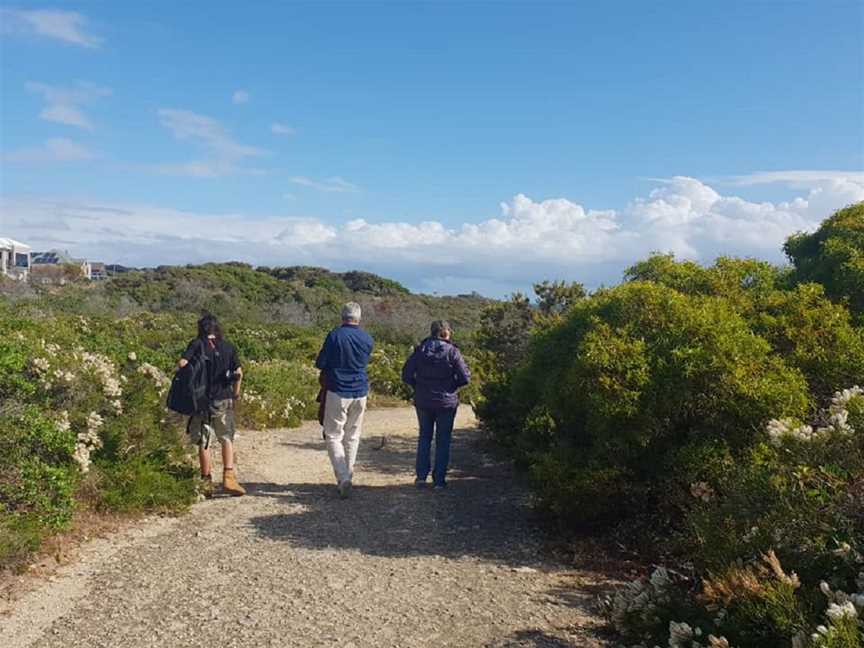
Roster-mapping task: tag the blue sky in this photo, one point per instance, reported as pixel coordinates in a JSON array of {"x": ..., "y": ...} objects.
[{"x": 450, "y": 145}]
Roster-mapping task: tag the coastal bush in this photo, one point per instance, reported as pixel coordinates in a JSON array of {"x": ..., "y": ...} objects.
[
  {"x": 775, "y": 545},
  {"x": 692, "y": 411},
  {"x": 833, "y": 256},
  {"x": 627, "y": 378},
  {"x": 83, "y": 418}
]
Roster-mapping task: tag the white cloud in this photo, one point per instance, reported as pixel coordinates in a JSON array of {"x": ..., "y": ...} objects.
[
  {"x": 530, "y": 240},
  {"x": 53, "y": 150},
  {"x": 796, "y": 178},
  {"x": 334, "y": 184},
  {"x": 240, "y": 97},
  {"x": 66, "y": 26},
  {"x": 63, "y": 104},
  {"x": 225, "y": 155},
  {"x": 281, "y": 129}
]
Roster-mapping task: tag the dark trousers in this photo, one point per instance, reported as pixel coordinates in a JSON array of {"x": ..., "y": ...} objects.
[{"x": 437, "y": 423}]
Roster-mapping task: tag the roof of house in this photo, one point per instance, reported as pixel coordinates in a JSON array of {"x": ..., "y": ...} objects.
[
  {"x": 12, "y": 243},
  {"x": 52, "y": 257}
]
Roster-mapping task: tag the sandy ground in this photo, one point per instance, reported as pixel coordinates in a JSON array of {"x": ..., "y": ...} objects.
[{"x": 293, "y": 565}]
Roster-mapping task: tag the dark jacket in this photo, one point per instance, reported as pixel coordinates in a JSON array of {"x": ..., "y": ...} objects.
[
  {"x": 343, "y": 359},
  {"x": 223, "y": 364},
  {"x": 436, "y": 371}
]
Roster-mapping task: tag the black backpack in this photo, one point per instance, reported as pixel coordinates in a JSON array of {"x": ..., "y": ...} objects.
[{"x": 189, "y": 393}]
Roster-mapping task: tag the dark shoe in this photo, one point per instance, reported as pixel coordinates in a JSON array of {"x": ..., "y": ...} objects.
[
  {"x": 420, "y": 483},
  {"x": 344, "y": 489},
  {"x": 440, "y": 487}
]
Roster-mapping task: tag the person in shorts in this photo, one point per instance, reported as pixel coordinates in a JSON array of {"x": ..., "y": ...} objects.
[{"x": 223, "y": 377}]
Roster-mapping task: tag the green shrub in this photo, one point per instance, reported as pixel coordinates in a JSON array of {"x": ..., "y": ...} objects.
[
  {"x": 20, "y": 535},
  {"x": 693, "y": 408},
  {"x": 833, "y": 256},
  {"x": 83, "y": 389},
  {"x": 37, "y": 479},
  {"x": 146, "y": 484},
  {"x": 801, "y": 323},
  {"x": 635, "y": 372},
  {"x": 278, "y": 393},
  {"x": 37, "y": 472}
]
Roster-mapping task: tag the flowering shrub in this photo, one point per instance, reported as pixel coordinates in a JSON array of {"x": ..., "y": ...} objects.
[
  {"x": 82, "y": 408},
  {"x": 278, "y": 393},
  {"x": 385, "y": 370},
  {"x": 694, "y": 409},
  {"x": 758, "y": 605},
  {"x": 797, "y": 495}
]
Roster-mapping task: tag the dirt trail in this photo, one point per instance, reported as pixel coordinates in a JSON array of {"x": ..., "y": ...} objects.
[{"x": 292, "y": 565}]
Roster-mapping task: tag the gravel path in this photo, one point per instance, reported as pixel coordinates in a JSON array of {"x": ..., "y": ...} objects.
[{"x": 292, "y": 565}]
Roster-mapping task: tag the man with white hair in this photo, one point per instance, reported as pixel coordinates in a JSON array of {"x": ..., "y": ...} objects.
[{"x": 342, "y": 361}]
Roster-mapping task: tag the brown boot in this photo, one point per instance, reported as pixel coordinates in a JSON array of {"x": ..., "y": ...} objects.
[
  {"x": 230, "y": 485},
  {"x": 206, "y": 486}
]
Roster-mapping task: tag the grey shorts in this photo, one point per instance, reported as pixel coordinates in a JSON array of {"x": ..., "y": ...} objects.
[{"x": 220, "y": 422}]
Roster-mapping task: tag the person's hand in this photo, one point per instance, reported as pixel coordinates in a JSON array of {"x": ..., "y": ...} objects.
[{"x": 182, "y": 362}]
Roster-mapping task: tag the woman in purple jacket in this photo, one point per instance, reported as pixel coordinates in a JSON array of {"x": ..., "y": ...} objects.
[{"x": 436, "y": 371}]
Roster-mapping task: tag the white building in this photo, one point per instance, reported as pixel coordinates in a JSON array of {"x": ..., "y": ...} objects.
[{"x": 14, "y": 258}]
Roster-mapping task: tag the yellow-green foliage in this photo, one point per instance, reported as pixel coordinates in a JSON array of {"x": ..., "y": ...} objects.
[
  {"x": 711, "y": 413},
  {"x": 834, "y": 256}
]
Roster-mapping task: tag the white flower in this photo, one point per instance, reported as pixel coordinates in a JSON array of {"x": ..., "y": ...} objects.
[
  {"x": 132, "y": 356},
  {"x": 842, "y": 398},
  {"x": 62, "y": 423},
  {"x": 91, "y": 436},
  {"x": 162, "y": 381},
  {"x": 64, "y": 376},
  {"x": 638, "y": 598},
  {"x": 82, "y": 456},
  {"x": 104, "y": 370},
  {"x": 680, "y": 634},
  {"x": 40, "y": 365},
  {"x": 837, "y": 611}
]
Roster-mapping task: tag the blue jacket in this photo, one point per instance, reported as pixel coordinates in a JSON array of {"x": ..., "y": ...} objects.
[
  {"x": 343, "y": 358},
  {"x": 436, "y": 370}
]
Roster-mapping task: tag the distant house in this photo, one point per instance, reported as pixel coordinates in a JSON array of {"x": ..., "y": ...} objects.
[
  {"x": 98, "y": 271},
  {"x": 116, "y": 268},
  {"x": 14, "y": 258},
  {"x": 57, "y": 266}
]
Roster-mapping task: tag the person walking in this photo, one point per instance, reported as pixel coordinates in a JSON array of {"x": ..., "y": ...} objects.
[
  {"x": 224, "y": 376},
  {"x": 343, "y": 360},
  {"x": 436, "y": 370}
]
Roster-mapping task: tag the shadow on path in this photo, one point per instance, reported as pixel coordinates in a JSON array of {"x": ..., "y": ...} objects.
[
  {"x": 532, "y": 639},
  {"x": 482, "y": 514}
]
